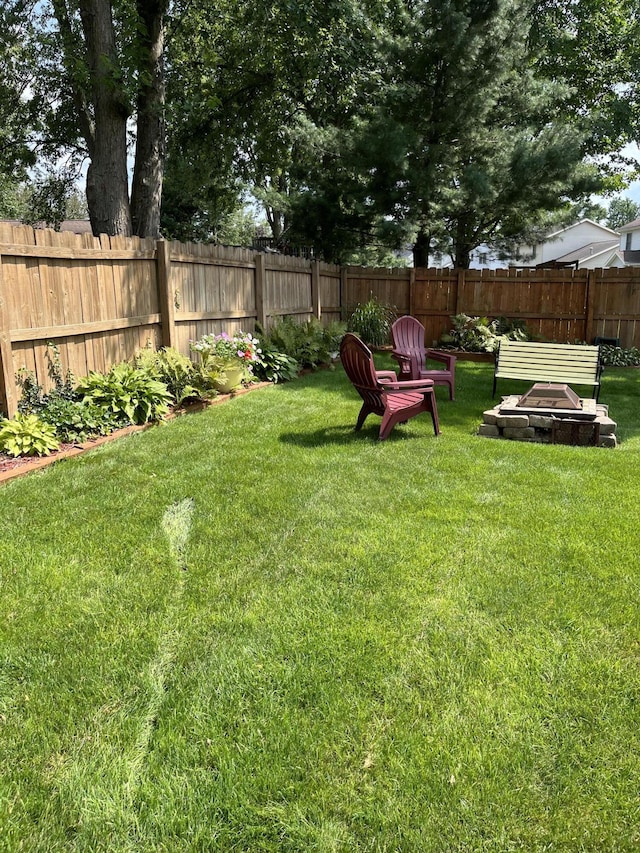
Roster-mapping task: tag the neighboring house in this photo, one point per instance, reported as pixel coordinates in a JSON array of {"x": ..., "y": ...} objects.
[
  {"x": 583, "y": 245},
  {"x": 630, "y": 243},
  {"x": 484, "y": 257}
]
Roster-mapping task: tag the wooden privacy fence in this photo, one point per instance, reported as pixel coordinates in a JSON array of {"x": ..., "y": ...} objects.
[
  {"x": 102, "y": 299},
  {"x": 557, "y": 305}
]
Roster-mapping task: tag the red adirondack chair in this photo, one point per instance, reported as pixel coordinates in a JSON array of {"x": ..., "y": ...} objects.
[
  {"x": 381, "y": 392},
  {"x": 411, "y": 354}
]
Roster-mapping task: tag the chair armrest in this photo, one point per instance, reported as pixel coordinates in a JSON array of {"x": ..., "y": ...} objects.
[
  {"x": 407, "y": 362},
  {"x": 386, "y": 376},
  {"x": 445, "y": 357},
  {"x": 408, "y": 385}
]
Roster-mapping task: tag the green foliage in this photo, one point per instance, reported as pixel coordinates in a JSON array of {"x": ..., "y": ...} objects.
[
  {"x": 33, "y": 397},
  {"x": 131, "y": 395},
  {"x": 274, "y": 366},
  {"x": 27, "y": 435},
  {"x": 179, "y": 374},
  {"x": 619, "y": 356},
  {"x": 621, "y": 212},
  {"x": 309, "y": 344},
  {"x": 76, "y": 421},
  {"x": 62, "y": 408},
  {"x": 372, "y": 321},
  {"x": 478, "y": 334}
]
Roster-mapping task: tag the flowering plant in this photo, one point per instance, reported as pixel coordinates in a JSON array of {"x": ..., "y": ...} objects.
[{"x": 221, "y": 353}]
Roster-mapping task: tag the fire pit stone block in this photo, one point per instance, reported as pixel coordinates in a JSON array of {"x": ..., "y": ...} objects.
[
  {"x": 525, "y": 433},
  {"x": 489, "y": 430},
  {"x": 513, "y": 421},
  {"x": 540, "y": 421}
]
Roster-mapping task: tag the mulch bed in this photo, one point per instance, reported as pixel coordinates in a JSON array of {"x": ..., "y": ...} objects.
[{"x": 11, "y": 468}]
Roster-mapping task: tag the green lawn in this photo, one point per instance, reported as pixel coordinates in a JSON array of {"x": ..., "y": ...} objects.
[{"x": 252, "y": 629}]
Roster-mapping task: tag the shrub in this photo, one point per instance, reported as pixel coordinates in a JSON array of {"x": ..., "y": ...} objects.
[
  {"x": 309, "y": 344},
  {"x": 131, "y": 395},
  {"x": 177, "y": 371},
  {"x": 275, "y": 366},
  {"x": 619, "y": 356},
  {"x": 33, "y": 398},
  {"x": 76, "y": 421},
  {"x": 372, "y": 322},
  {"x": 27, "y": 435},
  {"x": 477, "y": 334}
]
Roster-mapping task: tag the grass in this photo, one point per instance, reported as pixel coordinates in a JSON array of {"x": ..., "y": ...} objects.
[{"x": 254, "y": 630}]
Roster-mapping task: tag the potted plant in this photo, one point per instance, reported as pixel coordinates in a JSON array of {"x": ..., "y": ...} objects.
[{"x": 227, "y": 359}]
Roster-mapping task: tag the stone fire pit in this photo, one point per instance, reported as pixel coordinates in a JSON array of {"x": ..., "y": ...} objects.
[{"x": 550, "y": 414}]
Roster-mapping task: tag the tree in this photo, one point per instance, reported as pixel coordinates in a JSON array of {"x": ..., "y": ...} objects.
[
  {"x": 593, "y": 47},
  {"x": 96, "y": 74},
  {"x": 97, "y": 69},
  {"x": 622, "y": 211},
  {"x": 18, "y": 112},
  {"x": 251, "y": 84}
]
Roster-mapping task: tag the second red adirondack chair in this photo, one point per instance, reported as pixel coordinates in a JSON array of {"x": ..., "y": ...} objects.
[{"x": 411, "y": 354}]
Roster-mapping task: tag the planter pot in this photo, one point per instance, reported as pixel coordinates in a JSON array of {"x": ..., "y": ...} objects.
[{"x": 230, "y": 379}]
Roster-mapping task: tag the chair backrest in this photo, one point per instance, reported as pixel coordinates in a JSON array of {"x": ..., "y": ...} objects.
[
  {"x": 408, "y": 336},
  {"x": 357, "y": 360}
]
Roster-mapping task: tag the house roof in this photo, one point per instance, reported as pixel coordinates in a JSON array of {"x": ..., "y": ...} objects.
[
  {"x": 630, "y": 226},
  {"x": 597, "y": 225},
  {"x": 590, "y": 250},
  {"x": 77, "y": 226}
]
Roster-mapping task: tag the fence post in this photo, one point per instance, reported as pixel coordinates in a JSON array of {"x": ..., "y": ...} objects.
[
  {"x": 8, "y": 402},
  {"x": 315, "y": 289},
  {"x": 261, "y": 307},
  {"x": 165, "y": 293},
  {"x": 589, "y": 331}
]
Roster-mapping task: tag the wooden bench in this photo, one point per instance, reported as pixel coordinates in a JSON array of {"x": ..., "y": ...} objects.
[{"x": 569, "y": 364}]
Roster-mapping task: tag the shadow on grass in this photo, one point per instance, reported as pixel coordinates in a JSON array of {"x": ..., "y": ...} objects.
[{"x": 345, "y": 434}]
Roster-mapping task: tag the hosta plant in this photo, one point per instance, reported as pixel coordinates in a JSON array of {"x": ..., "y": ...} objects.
[
  {"x": 130, "y": 394},
  {"x": 27, "y": 435},
  {"x": 619, "y": 356}
]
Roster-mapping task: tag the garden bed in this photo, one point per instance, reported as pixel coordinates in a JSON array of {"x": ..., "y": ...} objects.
[{"x": 465, "y": 355}]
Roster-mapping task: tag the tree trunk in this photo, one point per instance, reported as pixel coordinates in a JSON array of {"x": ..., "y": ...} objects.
[
  {"x": 463, "y": 247},
  {"x": 107, "y": 180},
  {"x": 421, "y": 249},
  {"x": 146, "y": 193}
]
